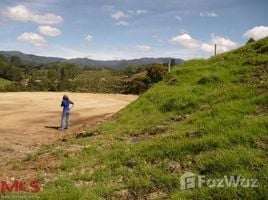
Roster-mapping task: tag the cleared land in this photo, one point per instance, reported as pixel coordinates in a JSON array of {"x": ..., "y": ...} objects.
[{"x": 31, "y": 119}]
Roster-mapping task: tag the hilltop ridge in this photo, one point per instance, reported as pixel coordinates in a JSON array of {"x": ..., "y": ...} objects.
[{"x": 86, "y": 62}]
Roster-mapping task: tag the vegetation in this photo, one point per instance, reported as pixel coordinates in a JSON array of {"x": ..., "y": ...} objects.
[
  {"x": 89, "y": 63},
  {"x": 208, "y": 117},
  {"x": 4, "y": 83},
  {"x": 9, "y": 71},
  {"x": 250, "y": 40},
  {"x": 71, "y": 77},
  {"x": 143, "y": 78}
]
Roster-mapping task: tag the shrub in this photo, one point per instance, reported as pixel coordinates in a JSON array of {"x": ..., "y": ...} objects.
[{"x": 156, "y": 73}]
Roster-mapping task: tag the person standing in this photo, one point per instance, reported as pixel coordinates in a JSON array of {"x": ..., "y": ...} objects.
[{"x": 66, "y": 102}]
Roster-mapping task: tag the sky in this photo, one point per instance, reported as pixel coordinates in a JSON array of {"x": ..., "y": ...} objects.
[{"x": 128, "y": 29}]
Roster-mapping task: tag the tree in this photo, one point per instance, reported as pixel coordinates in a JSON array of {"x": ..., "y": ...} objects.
[
  {"x": 172, "y": 62},
  {"x": 250, "y": 41},
  {"x": 15, "y": 60},
  {"x": 10, "y": 71},
  {"x": 63, "y": 73},
  {"x": 137, "y": 85},
  {"x": 69, "y": 71},
  {"x": 156, "y": 73}
]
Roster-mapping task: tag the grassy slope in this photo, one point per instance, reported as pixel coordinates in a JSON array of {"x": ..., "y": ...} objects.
[
  {"x": 4, "y": 83},
  {"x": 208, "y": 117}
]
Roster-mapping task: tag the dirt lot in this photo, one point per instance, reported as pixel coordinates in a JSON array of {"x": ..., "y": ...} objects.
[{"x": 29, "y": 120}]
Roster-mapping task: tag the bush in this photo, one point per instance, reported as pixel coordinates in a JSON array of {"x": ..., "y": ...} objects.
[
  {"x": 156, "y": 73},
  {"x": 137, "y": 85},
  {"x": 250, "y": 41}
]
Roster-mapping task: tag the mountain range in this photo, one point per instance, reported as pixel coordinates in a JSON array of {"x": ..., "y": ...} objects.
[{"x": 86, "y": 62}]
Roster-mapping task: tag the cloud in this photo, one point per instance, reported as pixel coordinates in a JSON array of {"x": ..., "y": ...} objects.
[
  {"x": 185, "y": 40},
  {"x": 223, "y": 44},
  {"x": 179, "y": 18},
  {"x": 47, "y": 19},
  {"x": 208, "y": 14},
  {"x": 49, "y": 31},
  {"x": 141, "y": 12},
  {"x": 207, "y": 47},
  {"x": 88, "y": 37},
  {"x": 144, "y": 48},
  {"x": 122, "y": 23},
  {"x": 257, "y": 32},
  {"x": 23, "y": 14},
  {"x": 137, "y": 12},
  {"x": 119, "y": 15},
  {"x": 33, "y": 38},
  {"x": 132, "y": 12}
]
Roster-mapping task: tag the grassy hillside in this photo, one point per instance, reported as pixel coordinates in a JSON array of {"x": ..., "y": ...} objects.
[
  {"x": 208, "y": 117},
  {"x": 4, "y": 83}
]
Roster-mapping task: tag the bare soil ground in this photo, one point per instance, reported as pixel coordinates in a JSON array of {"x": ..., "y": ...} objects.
[{"x": 29, "y": 120}]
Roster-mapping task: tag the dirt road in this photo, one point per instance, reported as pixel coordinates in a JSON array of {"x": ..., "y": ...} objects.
[{"x": 30, "y": 119}]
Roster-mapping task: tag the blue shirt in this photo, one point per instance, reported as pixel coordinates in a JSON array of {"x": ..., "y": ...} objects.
[{"x": 65, "y": 104}]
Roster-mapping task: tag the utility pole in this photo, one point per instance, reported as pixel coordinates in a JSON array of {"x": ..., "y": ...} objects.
[
  {"x": 215, "y": 50},
  {"x": 169, "y": 66}
]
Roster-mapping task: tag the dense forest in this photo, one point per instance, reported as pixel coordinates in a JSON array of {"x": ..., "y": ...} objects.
[{"x": 18, "y": 75}]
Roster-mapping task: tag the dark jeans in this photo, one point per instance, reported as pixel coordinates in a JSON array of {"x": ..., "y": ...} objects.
[{"x": 65, "y": 118}]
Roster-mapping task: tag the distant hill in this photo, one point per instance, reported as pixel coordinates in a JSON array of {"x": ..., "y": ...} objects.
[
  {"x": 31, "y": 58},
  {"x": 88, "y": 62}
]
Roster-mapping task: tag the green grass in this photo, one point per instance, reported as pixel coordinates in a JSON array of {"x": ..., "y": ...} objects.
[
  {"x": 4, "y": 83},
  {"x": 212, "y": 120}
]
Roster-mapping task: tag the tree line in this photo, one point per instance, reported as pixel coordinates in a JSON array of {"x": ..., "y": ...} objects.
[{"x": 72, "y": 77}]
